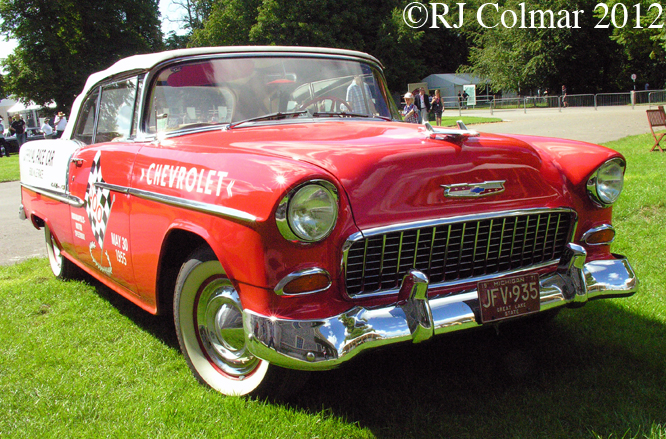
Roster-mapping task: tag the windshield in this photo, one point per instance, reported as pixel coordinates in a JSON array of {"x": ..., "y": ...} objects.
[{"x": 232, "y": 90}]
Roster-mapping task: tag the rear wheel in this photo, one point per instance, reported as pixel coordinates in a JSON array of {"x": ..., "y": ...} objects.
[
  {"x": 61, "y": 267},
  {"x": 209, "y": 325}
]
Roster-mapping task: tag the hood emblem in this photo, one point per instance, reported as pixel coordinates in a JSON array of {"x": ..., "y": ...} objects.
[{"x": 473, "y": 190}]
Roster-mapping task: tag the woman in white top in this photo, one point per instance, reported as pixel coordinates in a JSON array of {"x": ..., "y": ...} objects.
[{"x": 46, "y": 129}]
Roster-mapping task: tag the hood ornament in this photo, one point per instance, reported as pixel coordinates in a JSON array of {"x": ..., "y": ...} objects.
[
  {"x": 474, "y": 190},
  {"x": 462, "y": 132}
]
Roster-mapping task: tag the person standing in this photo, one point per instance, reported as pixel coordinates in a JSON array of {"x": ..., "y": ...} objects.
[
  {"x": 422, "y": 102},
  {"x": 437, "y": 106},
  {"x": 564, "y": 96},
  {"x": 46, "y": 129},
  {"x": 410, "y": 112},
  {"x": 60, "y": 124},
  {"x": 18, "y": 127},
  {"x": 359, "y": 96}
]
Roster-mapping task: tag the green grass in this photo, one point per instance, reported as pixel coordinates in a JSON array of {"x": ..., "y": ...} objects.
[
  {"x": 449, "y": 121},
  {"x": 9, "y": 168},
  {"x": 79, "y": 361}
]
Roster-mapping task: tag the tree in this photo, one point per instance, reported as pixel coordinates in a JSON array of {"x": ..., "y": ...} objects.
[
  {"x": 375, "y": 27},
  {"x": 642, "y": 40},
  {"x": 585, "y": 59},
  {"x": 195, "y": 13},
  {"x": 229, "y": 24},
  {"x": 60, "y": 43}
]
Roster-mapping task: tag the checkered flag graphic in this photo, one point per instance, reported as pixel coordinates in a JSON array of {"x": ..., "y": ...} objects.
[{"x": 98, "y": 202}]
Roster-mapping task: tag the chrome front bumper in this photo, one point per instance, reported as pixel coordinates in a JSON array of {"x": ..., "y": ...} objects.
[{"x": 327, "y": 343}]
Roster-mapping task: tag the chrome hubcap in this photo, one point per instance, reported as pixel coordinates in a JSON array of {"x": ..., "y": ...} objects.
[{"x": 220, "y": 326}]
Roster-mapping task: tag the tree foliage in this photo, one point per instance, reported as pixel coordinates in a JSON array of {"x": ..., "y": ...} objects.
[
  {"x": 60, "y": 43},
  {"x": 376, "y": 27},
  {"x": 643, "y": 43},
  {"x": 583, "y": 58}
]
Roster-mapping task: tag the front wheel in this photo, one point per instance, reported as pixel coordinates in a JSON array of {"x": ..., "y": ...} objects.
[{"x": 209, "y": 324}]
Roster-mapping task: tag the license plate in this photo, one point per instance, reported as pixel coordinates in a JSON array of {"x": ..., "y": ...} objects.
[{"x": 509, "y": 297}]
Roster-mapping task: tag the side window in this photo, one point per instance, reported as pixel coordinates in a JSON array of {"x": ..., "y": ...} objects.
[
  {"x": 116, "y": 111},
  {"x": 85, "y": 125}
]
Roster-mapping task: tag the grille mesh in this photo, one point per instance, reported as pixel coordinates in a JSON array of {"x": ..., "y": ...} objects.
[{"x": 457, "y": 251}]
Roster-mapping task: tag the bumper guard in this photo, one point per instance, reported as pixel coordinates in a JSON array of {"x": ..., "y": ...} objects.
[{"x": 327, "y": 343}]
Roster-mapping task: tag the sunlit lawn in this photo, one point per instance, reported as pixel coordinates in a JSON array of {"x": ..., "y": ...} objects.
[{"x": 79, "y": 361}]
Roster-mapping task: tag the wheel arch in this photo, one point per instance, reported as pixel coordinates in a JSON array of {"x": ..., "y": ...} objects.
[{"x": 178, "y": 245}]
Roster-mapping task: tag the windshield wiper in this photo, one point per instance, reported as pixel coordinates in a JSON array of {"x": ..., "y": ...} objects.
[
  {"x": 271, "y": 116},
  {"x": 345, "y": 114}
]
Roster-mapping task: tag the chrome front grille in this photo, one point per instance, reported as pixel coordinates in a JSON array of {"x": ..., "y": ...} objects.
[{"x": 455, "y": 250}]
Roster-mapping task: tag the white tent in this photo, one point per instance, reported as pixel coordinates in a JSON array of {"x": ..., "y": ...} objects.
[
  {"x": 450, "y": 84},
  {"x": 31, "y": 112}
]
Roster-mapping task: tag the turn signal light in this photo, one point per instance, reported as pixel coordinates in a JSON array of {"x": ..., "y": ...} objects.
[
  {"x": 599, "y": 236},
  {"x": 304, "y": 282}
]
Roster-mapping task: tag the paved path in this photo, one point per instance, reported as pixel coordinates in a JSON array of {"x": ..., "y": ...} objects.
[
  {"x": 19, "y": 240},
  {"x": 587, "y": 124}
]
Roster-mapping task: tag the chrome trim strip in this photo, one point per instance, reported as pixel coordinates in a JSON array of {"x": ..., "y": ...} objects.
[
  {"x": 63, "y": 198},
  {"x": 279, "y": 288},
  {"x": 601, "y": 228},
  {"x": 329, "y": 342},
  {"x": 455, "y": 219},
  {"x": 198, "y": 206}
]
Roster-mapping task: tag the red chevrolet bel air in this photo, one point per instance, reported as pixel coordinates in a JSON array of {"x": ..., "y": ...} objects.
[{"x": 273, "y": 201}]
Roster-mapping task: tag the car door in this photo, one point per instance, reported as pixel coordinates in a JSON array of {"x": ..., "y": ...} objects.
[{"x": 100, "y": 175}]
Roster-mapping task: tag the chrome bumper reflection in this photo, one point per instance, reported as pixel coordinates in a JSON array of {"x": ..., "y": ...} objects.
[{"x": 325, "y": 344}]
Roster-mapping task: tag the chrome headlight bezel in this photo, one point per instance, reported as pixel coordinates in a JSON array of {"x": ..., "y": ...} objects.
[
  {"x": 292, "y": 227},
  {"x": 606, "y": 183}
]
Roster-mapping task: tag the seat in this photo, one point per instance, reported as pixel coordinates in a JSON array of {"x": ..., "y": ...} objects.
[{"x": 657, "y": 118}]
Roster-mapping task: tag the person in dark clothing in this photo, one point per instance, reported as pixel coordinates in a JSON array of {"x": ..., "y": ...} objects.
[{"x": 18, "y": 127}]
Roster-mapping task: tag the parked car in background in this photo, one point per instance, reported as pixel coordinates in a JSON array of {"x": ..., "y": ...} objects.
[
  {"x": 273, "y": 201},
  {"x": 32, "y": 134}
]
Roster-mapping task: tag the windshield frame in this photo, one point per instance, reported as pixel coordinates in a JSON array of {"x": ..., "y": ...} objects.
[{"x": 375, "y": 70}]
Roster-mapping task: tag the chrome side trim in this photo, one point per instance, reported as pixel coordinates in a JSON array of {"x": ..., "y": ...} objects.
[
  {"x": 591, "y": 232},
  {"x": 329, "y": 342},
  {"x": 213, "y": 209},
  {"x": 279, "y": 288},
  {"x": 62, "y": 197}
]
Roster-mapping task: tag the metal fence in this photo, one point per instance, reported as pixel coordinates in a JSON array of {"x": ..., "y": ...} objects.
[{"x": 524, "y": 103}]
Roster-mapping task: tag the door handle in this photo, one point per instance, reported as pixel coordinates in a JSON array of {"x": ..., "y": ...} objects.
[{"x": 78, "y": 162}]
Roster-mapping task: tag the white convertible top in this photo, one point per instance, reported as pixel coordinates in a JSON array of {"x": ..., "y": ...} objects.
[{"x": 150, "y": 60}]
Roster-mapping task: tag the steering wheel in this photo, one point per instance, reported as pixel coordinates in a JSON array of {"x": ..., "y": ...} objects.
[{"x": 335, "y": 106}]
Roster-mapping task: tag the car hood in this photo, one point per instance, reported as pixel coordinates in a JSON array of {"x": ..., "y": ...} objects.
[{"x": 393, "y": 172}]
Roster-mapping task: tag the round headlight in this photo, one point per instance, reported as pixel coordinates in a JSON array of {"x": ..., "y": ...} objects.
[
  {"x": 605, "y": 185},
  {"x": 309, "y": 213}
]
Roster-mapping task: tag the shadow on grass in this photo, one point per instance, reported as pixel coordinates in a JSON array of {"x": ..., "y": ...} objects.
[
  {"x": 590, "y": 371},
  {"x": 593, "y": 372},
  {"x": 160, "y": 326}
]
